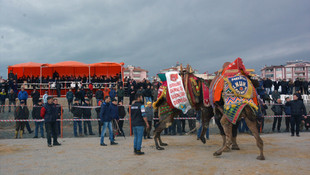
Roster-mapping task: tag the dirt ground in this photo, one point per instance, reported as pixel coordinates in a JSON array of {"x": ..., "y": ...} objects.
[{"x": 184, "y": 155}]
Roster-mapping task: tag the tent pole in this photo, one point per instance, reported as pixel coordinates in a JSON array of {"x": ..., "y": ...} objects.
[{"x": 40, "y": 78}]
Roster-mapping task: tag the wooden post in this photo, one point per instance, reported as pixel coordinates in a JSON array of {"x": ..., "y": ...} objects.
[
  {"x": 61, "y": 122},
  {"x": 130, "y": 120}
]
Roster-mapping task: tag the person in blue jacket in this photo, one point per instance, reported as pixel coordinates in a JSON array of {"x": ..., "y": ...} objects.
[
  {"x": 23, "y": 95},
  {"x": 106, "y": 119}
]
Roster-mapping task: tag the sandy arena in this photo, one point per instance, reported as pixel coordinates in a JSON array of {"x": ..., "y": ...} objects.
[{"x": 184, "y": 155}]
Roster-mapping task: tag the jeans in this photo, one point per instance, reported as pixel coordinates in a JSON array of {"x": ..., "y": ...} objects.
[
  {"x": 138, "y": 134},
  {"x": 148, "y": 99},
  {"x": 75, "y": 123},
  {"x": 90, "y": 129},
  {"x": 200, "y": 129},
  {"x": 39, "y": 124},
  {"x": 28, "y": 127},
  {"x": 243, "y": 127},
  {"x": 104, "y": 128}
]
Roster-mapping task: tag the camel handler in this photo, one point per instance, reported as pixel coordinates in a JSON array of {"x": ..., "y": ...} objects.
[
  {"x": 49, "y": 113},
  {"x": 138, "y": 121},
  {"x": 21, "y": 112}
]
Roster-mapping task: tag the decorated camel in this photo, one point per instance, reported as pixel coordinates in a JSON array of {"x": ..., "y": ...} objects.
[
  {"x": 232, "y": 94},
  {"x": 179, "y": 92}
]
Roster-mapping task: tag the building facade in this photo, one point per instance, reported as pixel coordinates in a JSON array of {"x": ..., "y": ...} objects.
[
  {"x": 291, "y": 71},
  {"x": 135, "y": 73}
]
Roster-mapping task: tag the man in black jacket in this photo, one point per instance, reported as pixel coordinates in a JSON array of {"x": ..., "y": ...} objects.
[
  {"x": 99, "y": 95},
  {"x": 36, "y": 115},
  {"x": 35, "y": 96},
  {"x": 297, "y": 110},
  {"x": 87, "y": 115},
  {"x": 278, "y": 109},
  {"x": 12, "y": 99},
  {"x": 77, "y": 112},
  {"x": 49, "y": 113},
  {"x": 138, "y": 121}
]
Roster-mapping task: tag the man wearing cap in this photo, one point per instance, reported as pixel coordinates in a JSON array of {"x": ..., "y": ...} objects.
[
  {"x": 36, "y": 112},
  {"x": 21, "y": 112},
  {"x": 87, "y": 115},
  {"x": 138, "y": 121},
  {"x": 77, "y": 112},
  {"x": 106, "y": 118},
  {"x": 49, "y": 113}
]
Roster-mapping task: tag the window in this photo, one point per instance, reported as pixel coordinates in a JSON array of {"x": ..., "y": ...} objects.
[
  {"x": 289, "y": 75},
  {"x": 288, "y": 69},
  {"x": 299, "y": 69},
  {"x": 278, "y": 69}
]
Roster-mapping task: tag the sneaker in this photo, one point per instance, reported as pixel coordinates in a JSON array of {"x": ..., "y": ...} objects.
[
  {"x": 149, "y": 137},
  {"x": 35, "y": 137},
  {"x": 103, "y": 144},
  {"x": 42, "y": 137},
  {"x": 139, "y": 152},
  {"x": 297, "y": 135},
  {"x": 114, "y": 143},
  {"x": 49, "y": 145},
  {"x": 56, "y": 144}
]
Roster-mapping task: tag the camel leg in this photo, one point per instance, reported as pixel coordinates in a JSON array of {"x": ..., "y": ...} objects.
[
  {"x": 206, "y": 115},
  {"x": 161, "y": 126},
  {"x": 219, "y": 125},
  {"x": 234, "y": 145},
  {"x": 227, "y": 126},
  {"x": 259, "y": 141}
]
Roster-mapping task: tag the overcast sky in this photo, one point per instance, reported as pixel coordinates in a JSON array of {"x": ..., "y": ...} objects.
[{"x": 155, "y": 34}]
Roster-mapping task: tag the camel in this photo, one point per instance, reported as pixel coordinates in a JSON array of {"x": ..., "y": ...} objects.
[
  {"x": 247, "y": 111},
  {"x": 197, "y": 103}
]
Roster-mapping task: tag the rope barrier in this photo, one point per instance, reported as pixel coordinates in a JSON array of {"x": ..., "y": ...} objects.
[{"x": 178, "y": 118}]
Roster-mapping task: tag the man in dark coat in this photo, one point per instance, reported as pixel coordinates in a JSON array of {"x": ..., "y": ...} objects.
[
  {"x": 87, "y": 115},
  {"x": 77, "y": 112},
  {"x": 278, "y": 109},
  {"x": 35, "y": 96},
  {"x": 21, "y": 112},
  {"x": 297, "y": 109},
  {"x": 49, "y": 113}
]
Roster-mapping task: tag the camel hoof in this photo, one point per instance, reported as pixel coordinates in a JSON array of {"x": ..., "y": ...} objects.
[
  {"x": 203, "y": 140},
  {"x": 163, "y": 144},
  {"x": 260, "y": 158},
  {"x": 226, "y": 150},
  {"x": 217, "y": 154},
  {"x": 235, "y": 147}
]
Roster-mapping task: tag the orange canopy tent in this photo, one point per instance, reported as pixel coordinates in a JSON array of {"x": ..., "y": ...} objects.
[
  {"x": 27, "y": 69},
  {"x": 74, "y": 68}
]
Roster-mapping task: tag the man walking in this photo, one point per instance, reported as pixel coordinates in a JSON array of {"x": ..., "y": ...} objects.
[
  {"x": 106, "y": 119},
  {"x": 138, "y": 121},
  {"x": 49, "y": 113}
]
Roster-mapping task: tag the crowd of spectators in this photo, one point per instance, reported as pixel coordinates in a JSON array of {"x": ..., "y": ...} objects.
[{"x": 149, "y": 90}]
